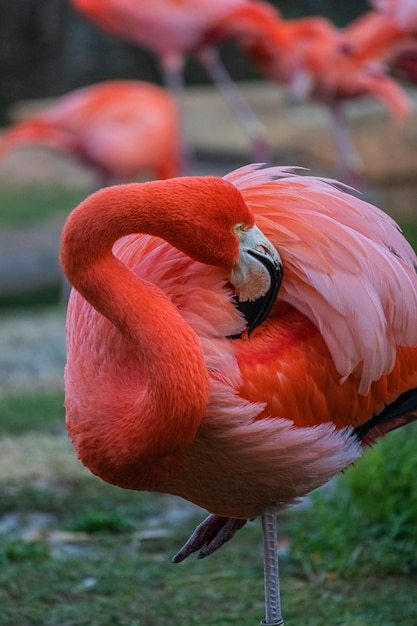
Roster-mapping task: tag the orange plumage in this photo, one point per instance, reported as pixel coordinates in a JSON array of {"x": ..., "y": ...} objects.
[
  {"x": 302, "y": 383},
  {"x": 315, "y": 59}
]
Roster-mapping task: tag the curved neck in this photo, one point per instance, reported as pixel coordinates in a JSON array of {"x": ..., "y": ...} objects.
[
  {"x": 194, "y": 214},
  {"x": 168, "y": 352}
]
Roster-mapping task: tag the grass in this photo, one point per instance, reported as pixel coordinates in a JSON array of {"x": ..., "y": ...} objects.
[
  {"x": 40, "y": 411},
  {"x": 103, "y": 555},
  {"x": 30, "y": 205},
  {"x": 367, "y": 523},
  {"x": 122, "y": 582},
  {"x": 409, "y": 229}
]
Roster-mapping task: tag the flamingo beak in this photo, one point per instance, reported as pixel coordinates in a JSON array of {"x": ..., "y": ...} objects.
[
  {"x": 256, "y": 311},
  {"x": 256, "y": 277}
]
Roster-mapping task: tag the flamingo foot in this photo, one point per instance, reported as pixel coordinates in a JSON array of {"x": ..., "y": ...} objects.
[{"x": 209, "y": 536}]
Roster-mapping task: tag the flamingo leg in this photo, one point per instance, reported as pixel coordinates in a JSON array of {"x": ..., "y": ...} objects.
[
  {"x": 215, "y": 531},
  {"x": 350, "y": 164},
  {"x": 209, "y": 536},
  {"x": 234, "y": 98},
  {"x": 172, "y": 68},
  {"x": 273, "y": 615}
]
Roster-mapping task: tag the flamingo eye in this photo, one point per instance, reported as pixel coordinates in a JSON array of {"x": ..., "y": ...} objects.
[{"x": 240, "y": 230}]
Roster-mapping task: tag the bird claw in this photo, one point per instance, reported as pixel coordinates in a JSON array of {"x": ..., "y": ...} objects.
[{"x": 209, "y": 536}]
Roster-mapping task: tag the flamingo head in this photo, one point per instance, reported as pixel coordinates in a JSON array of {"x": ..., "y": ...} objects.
[
  {"x": 205, "y": 217},
  {"x": 257, "y": 275},
  {"x": 222, "y": 231}
]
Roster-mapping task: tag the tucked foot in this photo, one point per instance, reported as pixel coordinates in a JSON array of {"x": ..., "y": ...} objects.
[{"x": 209, "y": 536}]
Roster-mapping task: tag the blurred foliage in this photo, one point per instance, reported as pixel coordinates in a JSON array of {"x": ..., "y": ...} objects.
[
  {"x": 22, "y": 413},
  {"x": 367, "y": 521},
  {"x": 19, "y": 550},
  {"x": 99, "y": 521},
  {"x": 49, "y": 296},
  {"x": 31, "y": 204},
  {"x": 409, "y": 230}
]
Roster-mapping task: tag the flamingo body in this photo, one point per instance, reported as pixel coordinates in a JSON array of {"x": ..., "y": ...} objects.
[
  {"x": 176, "y": 29},
  {"x": 315, "y": 59},
  {"x": 167, "y": 27},
  {"x": 160, "y": 397},
  {"x": 373, "y": 35},
  {"x": 119, "y": 128},
  {"x": 394, "y": 26}
]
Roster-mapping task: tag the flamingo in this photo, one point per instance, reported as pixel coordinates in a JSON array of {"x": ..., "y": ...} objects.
[
  {"x": 175, "y": 29},
  {"x": 119, "y": 128},
  {"x": 401, "y": 19},
  {"x": 316, "y": 60},
  {"x": 235, "y": 341}
]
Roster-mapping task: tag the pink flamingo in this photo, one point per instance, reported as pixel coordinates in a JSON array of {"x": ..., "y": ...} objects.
[
  {"x": 186, "y": 375},
  {"x": 400, "y": 17},
  {"x": 176, "y": 29},
  {"x": 316, "y": 60},
  {"x": 119, "y": 128}
]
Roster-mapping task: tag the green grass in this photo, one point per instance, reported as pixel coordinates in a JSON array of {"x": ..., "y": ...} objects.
[
  {"x": 33, "y": 204},
  {"x": 101, "y": 562},
  {"x": 409, "y": 229},
  {"x": 39, "y": 411},
  {"x": 114, "y": 581},
  {"x": 368, "y": 522}
]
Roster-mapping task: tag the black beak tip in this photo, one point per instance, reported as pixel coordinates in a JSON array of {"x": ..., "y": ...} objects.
[{"x": 256, "y": 311}]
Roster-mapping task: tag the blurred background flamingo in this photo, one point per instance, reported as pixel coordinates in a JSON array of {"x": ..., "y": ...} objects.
[
  {"x": 316, "y": 60},
  {"x": 386, "y": 36},
  {"x": 176, "y": 30},
  {"x": 121, "y": 129},
  {"x": 401, "y": 19}
]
